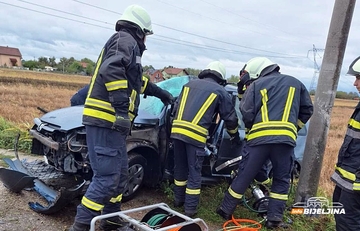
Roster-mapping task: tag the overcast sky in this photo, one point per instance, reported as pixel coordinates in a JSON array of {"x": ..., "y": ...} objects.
[{"x": 186, "y": 33}]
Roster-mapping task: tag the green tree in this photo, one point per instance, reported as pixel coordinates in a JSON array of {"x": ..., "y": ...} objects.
[
  {"x": 52, "y": 61},
  {"x": 233, "y": 79},
  {"x": 62, "y": 65},
  {"x": 42, "y": 62},
  {"x": 192, "y": 71},
  {"x": 89, "y": 69},
  {"x": 31, "y": 64},
  {"x": 75, "y": 67},
  {"x": 146, "y": 68},
  {"x": 88, "y": 61}
]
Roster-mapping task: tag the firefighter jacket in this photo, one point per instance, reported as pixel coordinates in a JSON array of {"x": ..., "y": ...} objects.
[
  {"x": 347, "y": 169},
  {"x": 117, "y": 82},
  {"x": 274, "y": 108},
  {"x": 196, "y": 109}
]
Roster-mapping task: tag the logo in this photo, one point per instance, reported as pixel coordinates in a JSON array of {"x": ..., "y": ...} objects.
[
  {"x": 40, "y": 127},
  {"x": 318, "y": 206}
]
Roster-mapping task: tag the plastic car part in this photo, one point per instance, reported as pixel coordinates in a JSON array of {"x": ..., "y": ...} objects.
[
  {"x": 16, "y": 181},
  {"x": 18, "y": 178}
]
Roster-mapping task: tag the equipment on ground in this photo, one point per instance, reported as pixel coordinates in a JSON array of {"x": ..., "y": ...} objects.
[{"x": 160, "y": 218}]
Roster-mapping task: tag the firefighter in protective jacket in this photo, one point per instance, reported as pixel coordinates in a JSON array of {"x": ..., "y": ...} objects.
[
  {"x": 195, "y": 110},
  {"x": 110, "y": 107},
  {"x": 274, "y": 108},
  {"x": 347, "y": 169}
]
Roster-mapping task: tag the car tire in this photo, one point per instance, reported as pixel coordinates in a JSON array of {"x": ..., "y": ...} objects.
[{"x": 137, "y": 165}]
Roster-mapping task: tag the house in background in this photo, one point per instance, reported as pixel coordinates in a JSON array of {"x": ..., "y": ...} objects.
[
  {"x": 10, "y": 57},
  {"x": 172, "y": 72},
  {"x": 156, "y": 76}
]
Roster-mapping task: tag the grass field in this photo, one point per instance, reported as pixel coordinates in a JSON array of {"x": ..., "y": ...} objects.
[{"x": 21, "y": 92}]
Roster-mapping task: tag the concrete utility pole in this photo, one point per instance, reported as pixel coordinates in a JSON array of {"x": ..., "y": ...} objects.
[{"x": 324, "y": 99}]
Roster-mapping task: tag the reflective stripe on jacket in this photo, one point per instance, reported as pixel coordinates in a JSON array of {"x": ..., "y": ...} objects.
[
  {"x": 118, "y": 69},
  {"x": 274, "y": 108},
  {"x": 196, "y": 108},
  {"x": 347, "y": 169}
]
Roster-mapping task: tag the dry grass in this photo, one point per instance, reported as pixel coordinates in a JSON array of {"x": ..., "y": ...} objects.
[
  {"x": 22, "y": 91},
  {"x": 341, "y": 113}
]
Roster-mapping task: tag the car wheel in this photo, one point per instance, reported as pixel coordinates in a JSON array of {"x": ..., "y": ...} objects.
[{"x": 137, "y": 164}]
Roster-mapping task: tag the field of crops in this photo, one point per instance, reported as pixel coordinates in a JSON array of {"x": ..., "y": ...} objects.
[{"x": 21, "y": 92}]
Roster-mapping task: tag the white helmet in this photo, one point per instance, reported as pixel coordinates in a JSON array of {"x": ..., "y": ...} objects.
[
  {"x": 218, "y": 67},
  {"x": 215, "y": 69},
  {"x": 138, "y": 15},
  {"x": 255, "y": 66},
  {"x": 354, "y": 68}
]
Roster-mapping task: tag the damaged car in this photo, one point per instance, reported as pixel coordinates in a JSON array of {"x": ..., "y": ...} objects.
[{"x": 64, "y": 172}]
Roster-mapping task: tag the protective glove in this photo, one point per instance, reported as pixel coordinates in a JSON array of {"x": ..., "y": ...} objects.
[
  {"x": 166, "y": 97},
  {"x": 122, "y": 125},
  {"x": 244, "y": 82},
  {"x": 235, "y": 139}
]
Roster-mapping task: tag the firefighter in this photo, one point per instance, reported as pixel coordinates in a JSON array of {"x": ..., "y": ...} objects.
[
  {"x": 80, "y": 96},
  {"x": 196, "y": 108},
  {"x": 110, "y": 107},
  {"x": 347, "y": 169},
  {"x": 274, "y": 108},
  {"x": 262, "y": 177}
]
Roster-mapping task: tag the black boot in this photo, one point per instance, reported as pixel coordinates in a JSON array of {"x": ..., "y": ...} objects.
[
  {"x": 223, "y": 214},
  {"x": 113, "y": 223},
  {"x": 178, "y": 204},
  {"x": 79, "y": 227},
  {"x": 276, "y": 224}
]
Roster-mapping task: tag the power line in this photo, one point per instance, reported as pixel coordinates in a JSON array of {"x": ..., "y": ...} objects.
[
  {"x": 40, "y": 12},
  {"x": 170, "y": 28},
  {"x": 186, "y": 43},
  {"x": 172, "y": 40},
  {"x": 241, "y": 16},
  {"x": 76, "y": 15},
  {"x": 205, "y": 16}
]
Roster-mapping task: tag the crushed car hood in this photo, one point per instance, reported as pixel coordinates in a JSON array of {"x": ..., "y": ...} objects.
[{"x": 63, "y": 119}]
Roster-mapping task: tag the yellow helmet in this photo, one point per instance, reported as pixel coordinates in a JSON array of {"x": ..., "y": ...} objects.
[
  {"x": 139, "y": 16},
  {"x": 255, "y": 66},
  {"x": 354, "y": 68}
]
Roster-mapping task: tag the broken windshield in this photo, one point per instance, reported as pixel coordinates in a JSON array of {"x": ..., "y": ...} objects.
[{"x": 153, "y": 105}]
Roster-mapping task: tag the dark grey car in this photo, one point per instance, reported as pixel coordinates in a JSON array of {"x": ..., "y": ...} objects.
[{"x": 60, "y": 138}]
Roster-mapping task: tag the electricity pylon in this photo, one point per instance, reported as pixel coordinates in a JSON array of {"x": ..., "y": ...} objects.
[{"x": 316, "y": 68}]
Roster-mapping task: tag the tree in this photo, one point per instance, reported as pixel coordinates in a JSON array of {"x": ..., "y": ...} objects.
[
  {"x": 233, "y": 79},
  {"x": 31, "y": 64},
  {"x": 89, "y": 69},
  {"x": 62, "y": 65},
  {"x": 146, "y": 68},
  {"x": 52, "y": 61},
  {"x": 75, "y": 67},
  {"x": 192, "y": 71},
  {"x": 42, "y": 62}
]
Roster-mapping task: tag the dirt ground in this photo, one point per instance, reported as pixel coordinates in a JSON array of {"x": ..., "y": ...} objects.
[{"x": 16, "y": 215}]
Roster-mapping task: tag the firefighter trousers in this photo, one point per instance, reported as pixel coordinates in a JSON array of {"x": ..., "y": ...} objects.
[
  {"x": 350, "y": 221},
  {"x": 187, "y": 174},
  {"x": 262, "y": 176},
  {"x": 281, "y": 157},
  {"x": 109, "y": 162}
]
